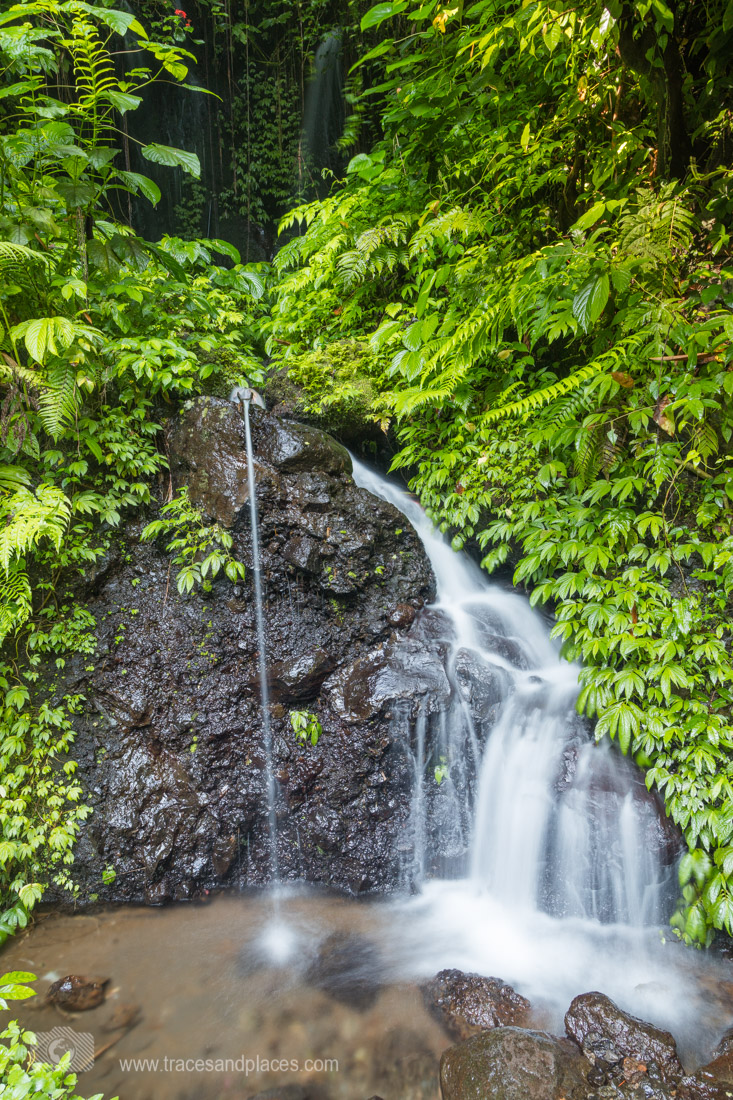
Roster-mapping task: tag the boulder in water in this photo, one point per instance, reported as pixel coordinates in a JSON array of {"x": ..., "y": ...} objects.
[
  {"x": 593, "y": 1018},
  {"x": 346, "y": 967},
  {"x": 509, "y": 1063},
  {"x": 466, "y": 1004},
  {"x": 76, "y": 994}
]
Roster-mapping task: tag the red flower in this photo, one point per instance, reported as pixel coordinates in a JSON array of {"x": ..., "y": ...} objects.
[{"x": 181, "y": 13}]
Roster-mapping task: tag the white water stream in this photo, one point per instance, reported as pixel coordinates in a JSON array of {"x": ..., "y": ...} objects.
[
  {"x": 261, "y": 650},
  {"x": 566, "y": 886}
]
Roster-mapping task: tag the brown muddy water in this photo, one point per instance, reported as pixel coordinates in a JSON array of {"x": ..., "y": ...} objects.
[
  {"x": 243, "y": 994},
  {"x": 215, "y": 1013}
]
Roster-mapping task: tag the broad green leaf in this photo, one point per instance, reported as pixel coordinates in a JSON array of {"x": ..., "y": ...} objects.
[
  {"x": 173, "y": 158},
  {"x": 591, "y": 216},
  {"x": 552, "y": 35},
  {"x": 591, "y": 299},
  {"x": 225, "y": 248},
  {"x": 380, "y": 12},
  {"x": 143, "y": 184},
  {"x": 122, "y": 101},
  {"x": 76, "y": 193},
  {"x": 378, "y": 51}
]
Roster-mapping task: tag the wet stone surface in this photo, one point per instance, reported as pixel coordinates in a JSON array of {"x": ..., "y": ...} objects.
[
  {"x": 170, "y": 743},
  {"x": 466, "y": 1004}
]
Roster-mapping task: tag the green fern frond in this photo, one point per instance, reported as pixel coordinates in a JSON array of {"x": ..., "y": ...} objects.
[
  {"x": 58, "y": 401},
  {"x": 15, "y": 601},
  {"x": 29, "y": 518},
  {"x": 588, "y": 456},
  {"x": 535, "y": 400},
  {"x": 11, "y": 371},
  {"x": 406, "y": 401},
  {"x": 659, "y": 233},
  {"x": 27, "y": 269},
  {"x": 454, "y": 223}
]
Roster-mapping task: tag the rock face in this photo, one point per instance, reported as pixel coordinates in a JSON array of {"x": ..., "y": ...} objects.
[
  {"x": 170, "y": 745},
  {"x": 466, "y": 1004},
  {"x": 607, "y": 1033},
  {"x": 509, "y": 1063}
]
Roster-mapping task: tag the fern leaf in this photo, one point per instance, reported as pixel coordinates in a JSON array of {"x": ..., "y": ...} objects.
[
  {"x": 58, "y": 402},
  {"x": 588, "y": 454}
]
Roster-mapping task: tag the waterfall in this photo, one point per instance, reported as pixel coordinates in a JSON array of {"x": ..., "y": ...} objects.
[
  {"x": 262, "y": 654},
  {"x": 550, "y": 822},
  {"x": 323, "y": 115}
]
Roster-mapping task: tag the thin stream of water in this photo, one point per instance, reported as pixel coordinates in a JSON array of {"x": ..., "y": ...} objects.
[{"x": 262, "y": 653}]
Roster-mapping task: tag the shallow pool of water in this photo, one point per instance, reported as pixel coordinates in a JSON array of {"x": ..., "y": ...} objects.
[{"x": 328, "y": 989}]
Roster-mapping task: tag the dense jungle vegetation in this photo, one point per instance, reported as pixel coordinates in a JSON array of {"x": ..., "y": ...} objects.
[{"x": 511, "y": 258}]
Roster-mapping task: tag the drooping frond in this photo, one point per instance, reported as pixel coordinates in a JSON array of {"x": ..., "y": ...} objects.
[
  {"x": 537, "y": 398},
  {"x": 15, "y": 600}
]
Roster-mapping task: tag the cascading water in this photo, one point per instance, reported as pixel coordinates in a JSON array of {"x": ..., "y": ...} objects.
[
  {"x": 539, "y": 857},
  {"x": 323, "y": 115},
  {"x": 555, "y": 825},
  {"x": 262, "y": 654}
]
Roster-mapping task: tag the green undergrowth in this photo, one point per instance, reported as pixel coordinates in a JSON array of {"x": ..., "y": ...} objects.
[{"x": 102, "y": 336}]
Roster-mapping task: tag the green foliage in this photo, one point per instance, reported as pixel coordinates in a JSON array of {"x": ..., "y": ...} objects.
[
  {"x": 306, "y": 726},
  {"x": 331, "y": 385},
  {"x": 99, "y": 331},
  {"x": 200, "y": 550},
  {"x": 542, "y": 272},
  {"x": 21, "y": 1075}
]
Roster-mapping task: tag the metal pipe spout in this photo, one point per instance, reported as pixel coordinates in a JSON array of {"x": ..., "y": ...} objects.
[{"x": 244, "y": 395}]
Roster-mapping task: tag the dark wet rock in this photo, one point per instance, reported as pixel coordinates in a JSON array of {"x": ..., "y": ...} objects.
[
  {"x": 293, "y": 447},
  {"x": 724, "y": 1044},
  {"x": 303, "y": 552},
  {"x": 207, "y": 453},
  {"x": 402, "y": 616},
  {"x": 466, "y": 1004},
  {"x": 170, "y": 743},
  {"x": 405, "y": 671},
  {"x": 347, "y": 968},
  {"x": 597, "y": 1024},
  {"x": 299, "y": 679},
  {"x": 509, "y": 1063},
  {"x": 715, "y": 1079},
  {"x": 482, "y": 685},
  {"x": 76, "y": 994},
  {"x": 223, "y": 853},
  {"x": 697, "y": 1087}
]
